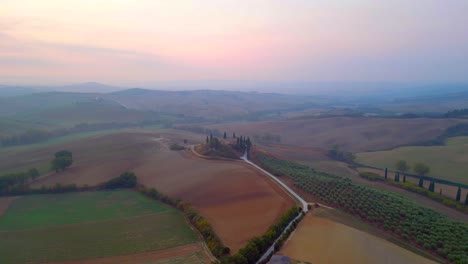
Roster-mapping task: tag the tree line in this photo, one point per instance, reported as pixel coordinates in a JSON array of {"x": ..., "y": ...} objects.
[
  {"x": 457, "y": 113},
  {"x": 214, "y": 243},
  {"x": 126, "y": 180},
  {"x": 257, "y": 246}
]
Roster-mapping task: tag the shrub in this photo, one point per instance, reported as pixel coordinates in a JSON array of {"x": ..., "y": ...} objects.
[
  {"x": 370, "y": 176},
  {"x": 125, "y": 180}
]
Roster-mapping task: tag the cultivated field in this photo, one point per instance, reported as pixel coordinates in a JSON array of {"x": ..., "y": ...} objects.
[
  {"x": 238, "y": 201},
  {"x": 77, "y": 226},
  {"x": 320, "y": 240},
  {"x": 448, "y": 162},
  {"x": 246, "y": 203},
  {"x": 352, "y": 134}
]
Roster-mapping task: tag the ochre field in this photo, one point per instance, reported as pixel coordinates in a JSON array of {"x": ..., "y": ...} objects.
[
  {"x": 89, "y": 225},
  {"x": 320, "y": 240},
  {"x": 238, "y": 201}
]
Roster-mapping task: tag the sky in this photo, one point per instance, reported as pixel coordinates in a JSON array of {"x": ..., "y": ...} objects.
[{"x": 141, "y": 42}]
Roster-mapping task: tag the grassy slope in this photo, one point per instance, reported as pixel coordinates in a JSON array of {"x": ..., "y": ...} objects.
[
  {"x": 88, "y": 225},
  {"x": 448, "y": 162}
]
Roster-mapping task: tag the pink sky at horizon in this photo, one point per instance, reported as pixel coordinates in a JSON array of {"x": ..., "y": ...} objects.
[{"x": 127, "y": 42}]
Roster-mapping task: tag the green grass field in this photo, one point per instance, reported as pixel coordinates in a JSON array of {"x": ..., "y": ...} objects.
[
  {"x": 448, "y": 162},
  {"x": 74, "y": 226}
]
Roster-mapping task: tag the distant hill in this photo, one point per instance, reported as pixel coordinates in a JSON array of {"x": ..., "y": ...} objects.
[
  {"x": 208, "y": 103},
  {"x": 8, "y": 91},
  {"x": 88, "y": 87}
]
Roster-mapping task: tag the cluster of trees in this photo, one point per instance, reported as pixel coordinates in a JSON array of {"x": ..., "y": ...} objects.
[
  {"x": 63, "y": 159},
  {"x": 215, "y": 148},
  {"x": 411, "y": 222},
  {"x": 12, "y": 181},
  {"x": 212, "y": 240},
  {"x": 257, "y": 246},
  {"x": 243, "y": 144},
  {"x": 457, "y": 113},
  {"x": 28, "y": 137},
  {"x": 125, "y": 180},
  {"x": 337, "y": 154}
]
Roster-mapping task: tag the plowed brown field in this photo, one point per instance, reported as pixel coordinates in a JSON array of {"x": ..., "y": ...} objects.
[{"x": 238, "y": 201}]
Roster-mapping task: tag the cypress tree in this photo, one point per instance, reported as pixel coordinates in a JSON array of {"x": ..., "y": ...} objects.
[
  {"x": 396, "y": 176},
  {"x": 404, "y": 177},
  {"x": 224, "y": 136},
  {"x": 458, "y": 194},
  {"x": 233, "y": 135},
  {"x": 421, "y": 182},
  {"x": 431, "y": 187},
  {"x": 386, "y": 172},
  {"x": 207, "y": 140},
  {"x": 466, "y": 200}
]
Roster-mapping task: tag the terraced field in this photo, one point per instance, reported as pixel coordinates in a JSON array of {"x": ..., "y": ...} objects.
[{"x": 89, "y": 225}]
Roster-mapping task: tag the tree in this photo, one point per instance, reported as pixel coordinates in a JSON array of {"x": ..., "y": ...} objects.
[
  {"x": 63, "y": 159},
  {"x": 458, "y": 194},
  {"x": 466, "y": 200},
  {"x": 224, "y": 136},
  {"x": 431, "y": 186},
  {"x": 207, "y": 140},
  {"x": 421, "y": 168},
  {"x": 125, "y": 180},
  {"x": 421, "y": 182},
  {"x": 33, "y": 173},
  {"x": 233, "y": 135},
  {"x": 402, "y": 166},
  {"x": 404, "y": 177}
]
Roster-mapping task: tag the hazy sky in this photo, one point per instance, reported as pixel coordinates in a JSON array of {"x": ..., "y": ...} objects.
[{"x": 136, "y": 42}]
